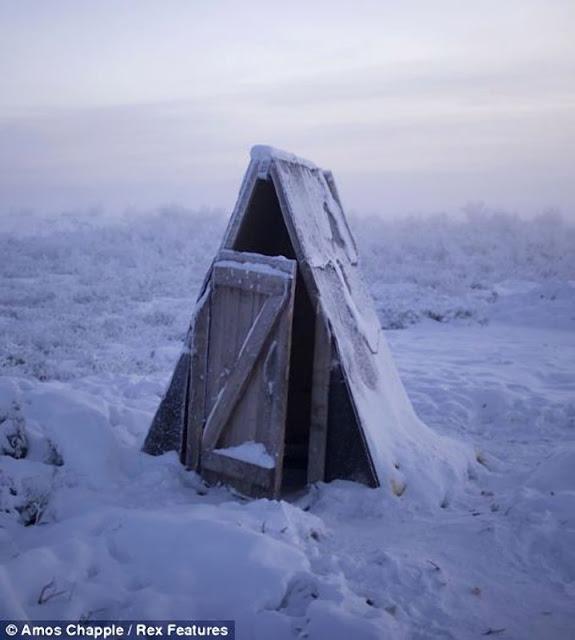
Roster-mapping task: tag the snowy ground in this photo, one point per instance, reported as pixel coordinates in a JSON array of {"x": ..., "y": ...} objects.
[{"x": 481, "y": 319}]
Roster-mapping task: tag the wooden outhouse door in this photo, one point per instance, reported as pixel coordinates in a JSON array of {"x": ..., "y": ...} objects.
[{"x": 239, "y": 377}]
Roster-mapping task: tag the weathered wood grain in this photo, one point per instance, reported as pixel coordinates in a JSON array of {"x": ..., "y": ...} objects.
[
  {"x": 278, "y": 263},
  {"x": 196, "y": 409},
  {"x": 233, "y": 469},
  {"x": 268, "y": 283},
  {"x": 247, "y": 380},
  {"x": 319, "y": 399},
  {"x": 238, "y": 378}
]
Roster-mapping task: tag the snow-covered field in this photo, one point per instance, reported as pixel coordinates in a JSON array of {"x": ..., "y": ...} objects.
[{"x": 480, "y": 314}]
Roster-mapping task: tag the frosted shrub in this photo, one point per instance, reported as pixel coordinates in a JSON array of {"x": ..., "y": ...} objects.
[
  {"x": 13, "y": 440},
  {"x": 480, "y": 248},
  {"x": 90, "y": 293},
  {"x": 445, "y": 268},
  {"x": 25, "y": 500}
]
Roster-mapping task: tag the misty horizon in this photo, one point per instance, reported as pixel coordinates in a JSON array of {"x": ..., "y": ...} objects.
[{"x": 415, "y": 109}]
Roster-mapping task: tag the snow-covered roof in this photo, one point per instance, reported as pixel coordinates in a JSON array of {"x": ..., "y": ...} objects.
[{"x": 265, "y": 153}]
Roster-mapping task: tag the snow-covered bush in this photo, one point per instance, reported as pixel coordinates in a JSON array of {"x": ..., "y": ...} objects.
[
  {"x": 445, "y": 268},
  {"x": 91, "y": 293},
  {"x": 25, "y": 499},
  {"x": 28, "y": 462},
  {"x": 13, "y": 440}
]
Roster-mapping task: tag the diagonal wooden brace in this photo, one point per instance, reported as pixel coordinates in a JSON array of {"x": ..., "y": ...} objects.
[{"x": 238, "y": 379}]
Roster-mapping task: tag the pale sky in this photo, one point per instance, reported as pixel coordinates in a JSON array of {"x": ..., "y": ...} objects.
[{"x": 416, "y": 106}]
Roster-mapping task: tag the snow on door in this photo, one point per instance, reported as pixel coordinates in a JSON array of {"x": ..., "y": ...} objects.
[{"x": 246, "y": 380}]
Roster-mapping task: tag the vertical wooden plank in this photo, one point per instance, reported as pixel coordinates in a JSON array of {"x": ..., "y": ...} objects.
[
  {"x": 319, "y": 399},
  {"x": 225, "y": 340},
  {"x": 214, "y": 349},
  {"x": 265, "y": 384},
  {"x": 196, "y": 397},
  {"x": 246, "y": 410},
  {"x": 255, "y": 388},
  {"x": 234, "y": 329},
  {"x": 280, "y": 378}
]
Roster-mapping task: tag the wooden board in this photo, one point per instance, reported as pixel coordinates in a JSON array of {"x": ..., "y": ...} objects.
[
  {"x": 246, "y": 380},
  {"x": 254, "y": 478},
  {"x": 196, "y": 397},
  {"x": 319, "y": 400}
]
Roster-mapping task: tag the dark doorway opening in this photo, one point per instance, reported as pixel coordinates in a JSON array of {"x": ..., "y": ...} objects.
[{"x": 263, "y": 231}]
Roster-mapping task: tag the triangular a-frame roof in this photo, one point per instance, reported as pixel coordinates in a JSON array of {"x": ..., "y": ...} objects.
[{"x": 404, "y": 454}]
